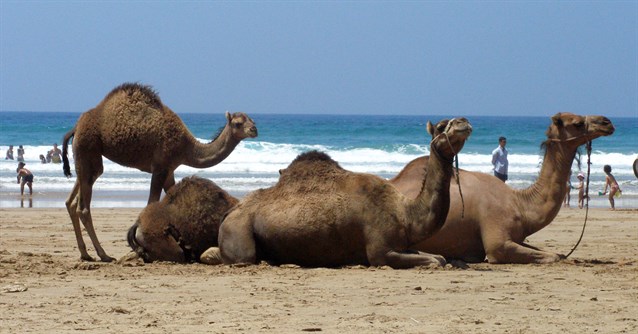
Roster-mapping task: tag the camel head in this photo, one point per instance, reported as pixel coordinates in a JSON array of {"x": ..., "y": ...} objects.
[
  {"x": 576, "y": 129},
  {"x": 241, "y": 126},
  {"x": 449, "y": 136}
]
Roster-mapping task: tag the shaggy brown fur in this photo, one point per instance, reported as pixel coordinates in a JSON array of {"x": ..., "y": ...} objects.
[
  {"x": 498, "y": 218},
  {"x": 183, "y": 224},
  {"x": 319, "y": 214},
  {"x": 133, "y": 128}
]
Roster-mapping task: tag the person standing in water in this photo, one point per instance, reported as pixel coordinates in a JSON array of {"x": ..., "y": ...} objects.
[
  {"x": 9, "y": 155},
  {"x": 610, "y": 181},
  {"x": 499, "y": 160},
  {"x": 27, "y": 177},
  {"x": 56, "y": 157},
  {"x": 20, "y": 153}
]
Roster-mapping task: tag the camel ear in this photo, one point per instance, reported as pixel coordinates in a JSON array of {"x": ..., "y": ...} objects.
[
  {"x": 556, "y": 119},
  {"x": 430, "y": 128},
  {"x": 228, "y": 117}
]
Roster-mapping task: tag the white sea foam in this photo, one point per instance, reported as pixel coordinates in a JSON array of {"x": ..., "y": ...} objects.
[{"x": 255, "y": 164}]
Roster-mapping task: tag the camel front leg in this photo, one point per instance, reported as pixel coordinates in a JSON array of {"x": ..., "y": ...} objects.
[
  {"x": 170, "y": 181},
  {"x": 157, "y": 184},
  {"x": 511, "y": 252},
  {"x": 236, "y": 240},
  {"x": 407, "y": 259},
  {"x": 72, "y": 208}
]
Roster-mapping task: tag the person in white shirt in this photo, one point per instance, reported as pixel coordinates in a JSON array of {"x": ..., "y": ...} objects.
[{"x": 499, "y": 160}]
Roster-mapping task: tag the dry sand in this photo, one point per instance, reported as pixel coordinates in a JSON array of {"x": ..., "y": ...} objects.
[{"x": 45, "y": 288}]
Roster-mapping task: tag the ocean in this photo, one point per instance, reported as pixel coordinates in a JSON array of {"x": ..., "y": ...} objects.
[{"x": 376, "y": 144}]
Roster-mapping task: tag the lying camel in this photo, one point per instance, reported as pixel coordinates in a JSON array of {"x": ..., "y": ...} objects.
[
  {"x": 184, "y": 224},
  {"x": 497, "y": 218},
  {"x": 321, "y": 215},
  {"x": 133, "y": 128}
]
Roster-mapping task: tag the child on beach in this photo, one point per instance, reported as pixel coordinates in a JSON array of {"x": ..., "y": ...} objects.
[
  {"x": 27, "y": 177},
  {"x": 569, "y": 188},
  {"x": 581, "y": 190},
  {"x": 610, "y": 181}
]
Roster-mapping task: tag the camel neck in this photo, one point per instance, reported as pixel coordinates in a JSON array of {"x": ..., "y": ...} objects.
[
  {"x": 428, "y": 211},
  {"x": 208, "y": 155},
  {"x": 541, "y": 202}
]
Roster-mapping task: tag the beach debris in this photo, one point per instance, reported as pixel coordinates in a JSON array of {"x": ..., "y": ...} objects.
[
  {"x": 13, "y": 288},
  {"x": 86, "y": 266},
  {"x": 131, "y": 260}
]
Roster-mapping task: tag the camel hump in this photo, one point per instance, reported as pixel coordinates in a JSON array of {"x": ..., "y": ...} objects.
[
  {"x": 313, "y": 156},
  {"x": 138, "y": 91}
]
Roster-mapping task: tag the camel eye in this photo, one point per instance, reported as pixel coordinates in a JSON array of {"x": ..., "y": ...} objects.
[
  {"x": 579, "y": 124},
  {"x": 237, "y": 125}
]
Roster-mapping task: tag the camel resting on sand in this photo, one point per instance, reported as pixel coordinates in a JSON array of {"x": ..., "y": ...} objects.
[
  {"x": 498, "y": 218},
  {"x": 184, "y": 224},
  {"x": 321, "y": 215},
  {"x": 133, "y": 128}
]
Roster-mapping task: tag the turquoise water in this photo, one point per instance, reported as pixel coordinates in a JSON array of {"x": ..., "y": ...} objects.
[{"x": 380, "y": 145}]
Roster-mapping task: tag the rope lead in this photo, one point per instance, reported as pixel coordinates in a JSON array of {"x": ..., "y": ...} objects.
[{"x": 587, "y": 199}]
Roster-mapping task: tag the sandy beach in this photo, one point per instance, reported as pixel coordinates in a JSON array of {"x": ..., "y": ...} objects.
[{"x": 45, "y": 288}]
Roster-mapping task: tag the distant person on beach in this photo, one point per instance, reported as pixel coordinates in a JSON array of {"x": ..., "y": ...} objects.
[
  {"x": 569, "y": 188},
  {"x": 581, "y": 190},
  {"x": 499, "y": 160},
  {"x": 43, "y": 159},
  {"x": 9, "y": 155},
  {"x": 20, "y": 153},
  {"x": 56, "y": 157},
  {"x": 27, "y": 177},
  {"x": 614, "y": 188}
]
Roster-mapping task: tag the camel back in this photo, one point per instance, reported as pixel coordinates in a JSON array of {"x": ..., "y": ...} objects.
[{"x": 145, "y": 91}]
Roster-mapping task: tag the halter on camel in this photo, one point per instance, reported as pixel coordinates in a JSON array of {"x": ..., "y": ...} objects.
[{"x": 455, "y": 160}]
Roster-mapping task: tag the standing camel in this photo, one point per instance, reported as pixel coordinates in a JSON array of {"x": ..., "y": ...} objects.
[
  {"x": 497, "y": 218},
  {"x": 321, "y": 215},
  {"x": 132, "y": 127}
]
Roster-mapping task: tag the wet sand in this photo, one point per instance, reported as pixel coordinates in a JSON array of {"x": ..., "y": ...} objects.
[{"x": 45, "y": 288}]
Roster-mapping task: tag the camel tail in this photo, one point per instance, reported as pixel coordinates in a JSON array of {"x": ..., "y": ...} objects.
[
  {"x": 65, "y": 152},
  {"x": 132, "y": 242}
]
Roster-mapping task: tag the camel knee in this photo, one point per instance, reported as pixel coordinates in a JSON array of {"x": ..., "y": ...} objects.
[
  {"x": 85, "y": 215},
  {"x": 236, "y": 247},
  {"x": 71, "y": 205},
  {"x": 497, "y": 254}
]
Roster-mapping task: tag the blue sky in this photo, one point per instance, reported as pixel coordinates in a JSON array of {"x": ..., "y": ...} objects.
[{"x": 462, "y": 58}]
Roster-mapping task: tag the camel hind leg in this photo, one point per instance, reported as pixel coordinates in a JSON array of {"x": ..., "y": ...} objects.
[
  {"x": 71, "y": 207},
  {"x": 84, "y": 205}
]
